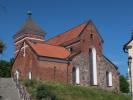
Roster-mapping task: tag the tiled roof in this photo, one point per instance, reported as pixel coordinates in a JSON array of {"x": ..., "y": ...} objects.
[
  {"x": 68, "y": 35},
  {"x": 46, "y": 50}
]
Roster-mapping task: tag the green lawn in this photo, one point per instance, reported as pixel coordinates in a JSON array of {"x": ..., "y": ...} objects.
[{"x": 71, "y": 92}]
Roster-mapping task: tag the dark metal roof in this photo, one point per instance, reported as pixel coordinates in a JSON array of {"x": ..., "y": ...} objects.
[
  {"x": 110, "y": 62},
  {"x": 30, "y": 26},
  {"x": 126, "y": 47}
]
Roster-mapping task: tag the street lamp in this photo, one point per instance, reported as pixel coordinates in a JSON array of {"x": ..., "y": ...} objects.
[{"x": 129, "y": 64}]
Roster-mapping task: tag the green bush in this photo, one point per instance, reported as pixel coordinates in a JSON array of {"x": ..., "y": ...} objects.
[
  {"x": 5, "y": 68},
  {"x": 42, "y": 93},
  {"x": 124, "y": 85},
  {"x": 30, "y": 83},
  {"x": 38, "y": 90}
]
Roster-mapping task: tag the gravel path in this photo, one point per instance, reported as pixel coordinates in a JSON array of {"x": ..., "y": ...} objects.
[{"x": 8, "y": 90}]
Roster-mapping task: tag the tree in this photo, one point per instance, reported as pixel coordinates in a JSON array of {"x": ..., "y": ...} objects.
[
  {"x": 124, "y": 85},
  {"x": 5, "y": 68},
  {"x": 2, "y": 46}
]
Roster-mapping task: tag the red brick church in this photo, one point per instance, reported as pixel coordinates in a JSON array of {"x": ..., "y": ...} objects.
[{"x": 75, "y": 56}]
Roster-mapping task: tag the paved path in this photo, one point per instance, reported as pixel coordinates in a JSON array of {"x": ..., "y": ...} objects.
[{"x": 8, "y": 90}]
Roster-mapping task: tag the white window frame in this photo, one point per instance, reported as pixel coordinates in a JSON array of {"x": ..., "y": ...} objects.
[
  {"x": 17, "y": 74},
  {"x": 77, "y": 76},
  {"x": 30, "y": 75},
  {"x": 110, "y": 79}
]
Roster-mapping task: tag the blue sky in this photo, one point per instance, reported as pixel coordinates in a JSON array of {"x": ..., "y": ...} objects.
[{"x": 113, "y": 19}]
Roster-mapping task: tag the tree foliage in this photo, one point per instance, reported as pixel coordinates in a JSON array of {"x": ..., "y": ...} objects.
[
  {"x": 5, "y": 68},
  {"x": 2, "y": 46},
  {"x": 124, "y": 85}
]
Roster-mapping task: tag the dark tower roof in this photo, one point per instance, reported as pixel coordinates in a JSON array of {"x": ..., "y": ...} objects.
[{"x": 30, "y": 26}]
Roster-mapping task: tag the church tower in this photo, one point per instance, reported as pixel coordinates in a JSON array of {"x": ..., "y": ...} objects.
[{"x": 29, "y": 31}]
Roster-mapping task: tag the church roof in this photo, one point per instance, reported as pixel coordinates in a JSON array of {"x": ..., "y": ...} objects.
[
  {"x": 30, "y": 26},
  {"x": 110, "y": 62},
  {"x": 46, "y": 50},
  {"x": 127, "y": 45},
  {"x": 70, "y": 34}
]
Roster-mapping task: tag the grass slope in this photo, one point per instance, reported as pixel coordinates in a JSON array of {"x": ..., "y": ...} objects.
[{"x": 71, "y": 92}]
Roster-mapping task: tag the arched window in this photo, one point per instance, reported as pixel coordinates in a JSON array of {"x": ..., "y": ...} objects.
[
  {"x": 109, "y": 78},
  {"x": 75, "y": 75},
  {"x": 54, "y": 72},
  {"x": 30, "y": 75},
  {"x": 92, "y": 66},
  {"x": 91, "y": 36},
  {"x": 17, "y": 74},
  {"x": 71, "y": 49}
]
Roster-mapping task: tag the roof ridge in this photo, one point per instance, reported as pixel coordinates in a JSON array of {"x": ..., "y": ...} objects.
[
  {"x": 50, "y": 44},
  {"x": 44, "y": 50},
  {"x": 68, "y": 30}
]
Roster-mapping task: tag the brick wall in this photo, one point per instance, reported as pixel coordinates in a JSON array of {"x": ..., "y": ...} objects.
[{"x": 42, "y": 70}]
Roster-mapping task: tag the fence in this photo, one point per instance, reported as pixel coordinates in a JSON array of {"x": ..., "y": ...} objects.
[{"x": 24, "y": 95}]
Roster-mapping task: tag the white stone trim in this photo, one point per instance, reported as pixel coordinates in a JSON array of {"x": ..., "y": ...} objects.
[
  {"x": 28, "y": 38},
  {"x": 77, "y": 76},
  {"x": 94, "y": 67},
  {"x": 21, "y": 49},
  {"x": 30, "y": 75},
  {"x": 19, "y": 37},
  {"x": 110, "y": 78},
  {"x": 17, "y": 74}
]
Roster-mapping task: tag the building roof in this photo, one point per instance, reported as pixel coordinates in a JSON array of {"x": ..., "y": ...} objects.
[
  {"x": 71, "y": 34},
  {"x": 68, "y": 35},
  {"x": 110, "y": 62},
  {"x": 126, "y": 47},
  {"x": 46, "y": 50},
  {"x": 30, "y": 26}
]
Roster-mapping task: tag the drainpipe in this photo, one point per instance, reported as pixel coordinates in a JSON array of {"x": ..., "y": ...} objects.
[{"x": 130, "y": 73}]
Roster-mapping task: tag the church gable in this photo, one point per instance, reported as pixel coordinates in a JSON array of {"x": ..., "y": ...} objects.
[
  {"x": 92, "y": 31},
  {"x": 90, "y": 38},
  {"x": 24, "y": 60},
  {"x": 74, "y": 33}
]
